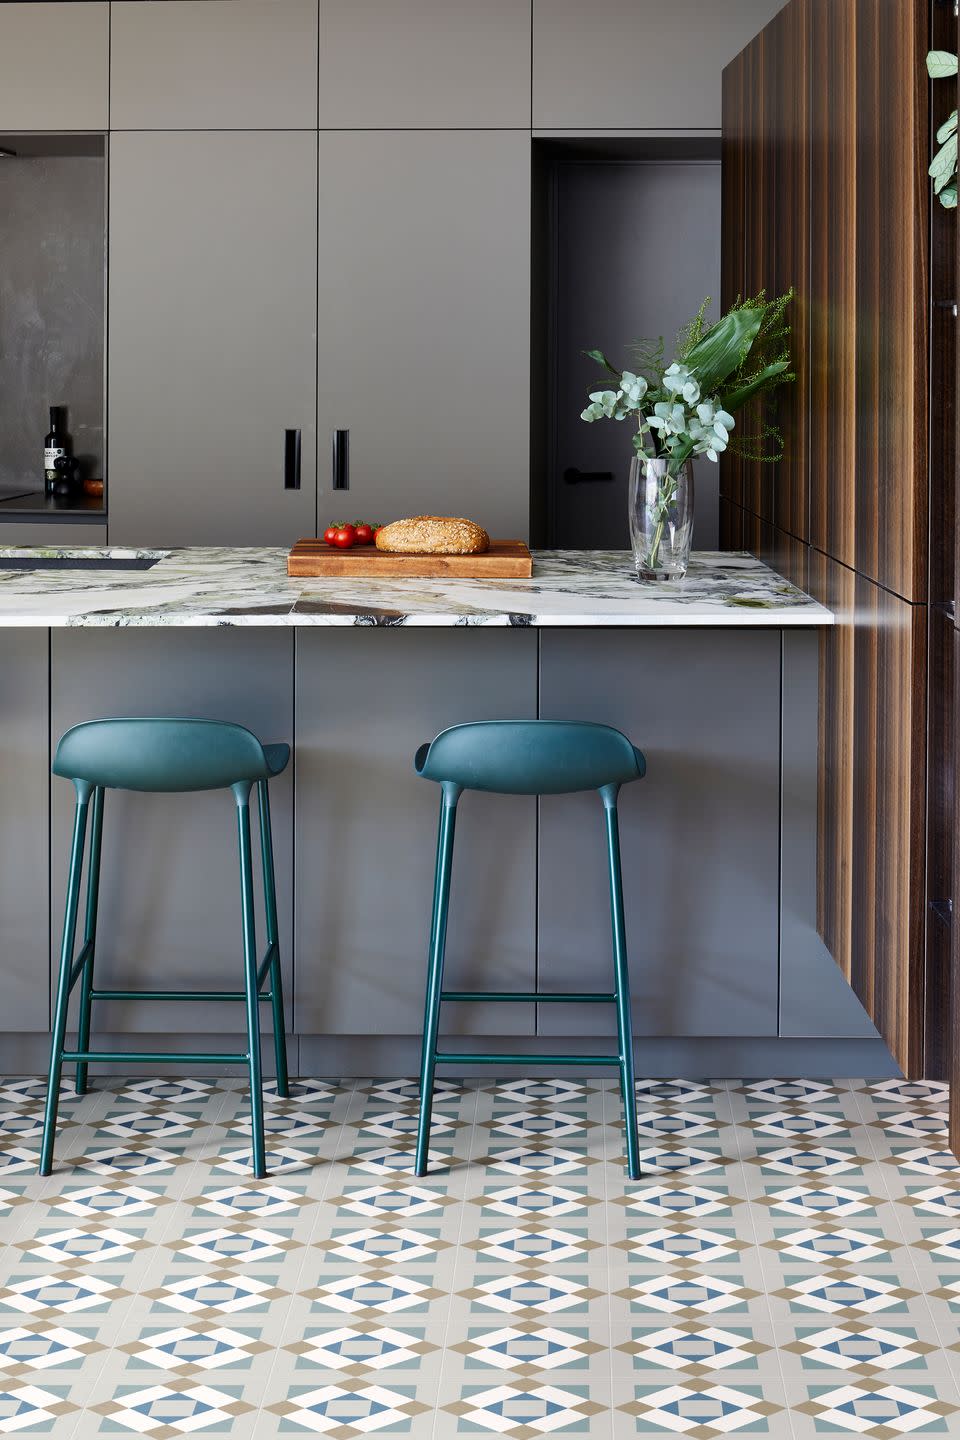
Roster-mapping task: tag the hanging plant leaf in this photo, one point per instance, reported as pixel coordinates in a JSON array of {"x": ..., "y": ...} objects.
[{"x": 940, "y": 64}]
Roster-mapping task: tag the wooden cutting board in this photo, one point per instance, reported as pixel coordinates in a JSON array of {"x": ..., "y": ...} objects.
[{"x": 505, "y": 560}]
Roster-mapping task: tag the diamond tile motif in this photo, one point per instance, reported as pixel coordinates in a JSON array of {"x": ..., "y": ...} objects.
[
  {"x": 344, "y": 1413},
  {"x": 695, "y": 1349},
  {"x": 788, "y": 1264},
  {"x": 522, "y": 1412},
  {"x": 854, "y": 1345},
  {"x": 700, "y": 1411},
  {"x": 878, "y": 1411},
  {"x": 164, "y": 1411}
]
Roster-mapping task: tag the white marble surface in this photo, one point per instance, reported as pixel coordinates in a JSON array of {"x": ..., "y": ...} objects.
[{"x": 208, "y": 586}]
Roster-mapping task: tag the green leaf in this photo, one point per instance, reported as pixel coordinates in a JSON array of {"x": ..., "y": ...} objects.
[
  {"x": 944, "y": 163},
  {"x": 738, "y": 398},
  {"x": 941, "y": 63},
  {"x": 947, "y": 128},
  {"x": 724, "y": 347},
  {"x": 948, "y": 196},
  {"x": 601, "y": 359}
]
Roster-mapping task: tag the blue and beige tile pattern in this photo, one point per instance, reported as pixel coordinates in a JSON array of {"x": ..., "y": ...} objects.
[{"x": 788, "y": 1267}]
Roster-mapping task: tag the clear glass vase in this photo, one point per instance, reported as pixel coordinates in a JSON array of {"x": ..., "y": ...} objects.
[{"x": 661, "y": 516}]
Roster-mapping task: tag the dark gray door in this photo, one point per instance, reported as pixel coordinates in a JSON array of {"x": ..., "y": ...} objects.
[
  {"x": 24, "y": 778},
  {"x": 170, "y": 906},
  {"x": 640, "y": 65},
  {"x": 700, "y": 832},
  {"x": 424, "y": 64},
  {"x": 212, "y": 340},
  {"x": 213, "y": 64},
  {"x": 638, "y": 250},
  {"x": 53, "y": 65},
  {"x": 424, "y": 329},
  {"x": 366, "y": 830}
]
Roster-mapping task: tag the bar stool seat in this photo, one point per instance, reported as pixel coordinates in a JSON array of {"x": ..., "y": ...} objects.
[
  {"x": 528, "y": 757},
  {"x": 164, "y": 755}
]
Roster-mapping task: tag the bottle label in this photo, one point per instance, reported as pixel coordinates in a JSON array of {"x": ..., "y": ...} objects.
[{"x": 51, "y": 455}]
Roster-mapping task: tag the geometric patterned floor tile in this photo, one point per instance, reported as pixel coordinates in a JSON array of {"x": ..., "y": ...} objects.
[
  {"x": 701, "y": 1411},
  {"x": 855, "y": 1345},
  {"x": 342, "y": 1412},
  {"x": 698, "y": 1350},
  {"x": 787, "y": 1266},
  {"x": 519, "y": 1411},
  {"x": 526, "y": 1348},
  {"x": 164, "y": 1411},
  {"x": 879, "y": 1411}
]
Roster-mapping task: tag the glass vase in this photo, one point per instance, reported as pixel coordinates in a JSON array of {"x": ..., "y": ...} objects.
[{"x": 661, "y": 516}]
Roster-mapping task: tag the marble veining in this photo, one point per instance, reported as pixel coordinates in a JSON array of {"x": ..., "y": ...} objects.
[{"x": 213, "y": 586}]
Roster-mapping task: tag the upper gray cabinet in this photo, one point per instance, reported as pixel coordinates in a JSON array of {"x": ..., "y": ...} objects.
[
  {"x": 53, "y": 65},
  {"x": 424, "y": 324},
  {"x": 213, "y": 64},
  {"x": 212, "y": 337},
  {"x": 424, "y": 64},
  {"x": 637, "y": 64}
]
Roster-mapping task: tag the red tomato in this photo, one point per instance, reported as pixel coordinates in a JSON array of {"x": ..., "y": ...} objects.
[
  {"x": 364, "y": 532},
  {"x": 345, "y": 537},
  {"x": 330, "y": 533}
]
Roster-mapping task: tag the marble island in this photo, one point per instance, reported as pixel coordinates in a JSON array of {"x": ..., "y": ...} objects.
[{"x": 112, "y": 586}]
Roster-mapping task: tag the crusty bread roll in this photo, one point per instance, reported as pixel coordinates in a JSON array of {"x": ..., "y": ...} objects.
[{"x": 433, "y": 535}]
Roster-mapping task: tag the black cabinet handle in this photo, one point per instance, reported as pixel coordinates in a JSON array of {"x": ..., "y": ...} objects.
[
  {"x": 572, "y": 476},
  {"x": 291, "y": 459},
  {"x": 341, "y": 460}
]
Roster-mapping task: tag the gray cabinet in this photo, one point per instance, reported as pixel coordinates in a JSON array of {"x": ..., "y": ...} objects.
[
  {"x": 424, "y": 324},
  {"x": 53, "y": 65},
  {"x": 213, "y": 64},
  {"x": 424, "y": 63},
  {"x": 700, "y": 834},
  {"x": 24, "y": 778},
  {"x": 170, "y": 891},
  {"x": 212, "y": 336},
  {"x": 366, "y": 830},
  {"x": 639, "y": 65}
]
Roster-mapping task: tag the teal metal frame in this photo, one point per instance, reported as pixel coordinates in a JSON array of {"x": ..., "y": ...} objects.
[
  {"x": 79, "y": 969},
  {"x": 528, "y": 757}
]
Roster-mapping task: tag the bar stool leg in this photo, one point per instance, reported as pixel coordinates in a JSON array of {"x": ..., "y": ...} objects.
[
  {"x": 438, "y": 939},
  {"x": 622, "y": 982},
  {"x": 273, "y": 940},
  {"x": 90, "y": 934},
  {"x": 242, "y": 794},
  {"x": 63, "y": 987}
]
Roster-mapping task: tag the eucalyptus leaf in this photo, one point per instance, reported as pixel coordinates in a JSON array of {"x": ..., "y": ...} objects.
[
  {"x": 947, "y": 128},
  {"x": 944, "y": 163},
  {"x": 940, "y": 64},
  {"x": 948, "y": 196}
]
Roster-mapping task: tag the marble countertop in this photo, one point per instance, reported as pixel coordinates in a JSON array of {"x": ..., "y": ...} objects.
[{"x": 211, "y": 586}]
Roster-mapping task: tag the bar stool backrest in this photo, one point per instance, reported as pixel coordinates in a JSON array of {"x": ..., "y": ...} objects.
[
  {"x": 160, "y": 754},
  {"x": 530, "y": 757}
]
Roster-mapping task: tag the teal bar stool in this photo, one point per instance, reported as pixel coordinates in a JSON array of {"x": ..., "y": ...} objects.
[
  {"x": 161, "y": 755},
  {"x": 528, "y": 757}
]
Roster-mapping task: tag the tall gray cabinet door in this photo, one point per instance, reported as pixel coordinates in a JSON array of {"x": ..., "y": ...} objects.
[
  {"x": 424, "y": 64},
  {"x": 53, "y": 65},
  {"x": 424, "y": 350},
  {"x": 24, "y": 782},
  {"x": 170, "y": 886},
  {"x": 212, "y": 337},
  {"x": 637, "y": 66},
  {"x": 213, "y": 64},
  {"x": 367, "y": 827},
  {"x": 700, "y": 833}
]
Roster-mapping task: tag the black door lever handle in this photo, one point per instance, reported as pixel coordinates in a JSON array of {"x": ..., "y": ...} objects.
[{"x": 572, "y": 476}]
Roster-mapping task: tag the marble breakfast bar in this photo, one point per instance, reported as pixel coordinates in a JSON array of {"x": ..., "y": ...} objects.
[{"x": 714, "y": 677}]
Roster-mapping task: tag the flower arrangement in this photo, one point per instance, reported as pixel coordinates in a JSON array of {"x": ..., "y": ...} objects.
[
  {"x": 687, "y": 408},
  {"x": 943, "y": 167}
]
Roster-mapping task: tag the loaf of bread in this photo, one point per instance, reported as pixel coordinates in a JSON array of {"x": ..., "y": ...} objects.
[{"x": 433, "y": 535}]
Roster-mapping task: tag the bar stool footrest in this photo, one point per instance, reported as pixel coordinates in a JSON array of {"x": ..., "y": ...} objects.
[
  {"x": 565, "y": 997},
  {"x": 447, "y": 1057},
  {"x": 161, "y": 1057}
]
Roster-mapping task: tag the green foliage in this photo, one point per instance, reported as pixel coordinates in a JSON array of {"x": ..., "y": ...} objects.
[{"x": 941, "y": 64}]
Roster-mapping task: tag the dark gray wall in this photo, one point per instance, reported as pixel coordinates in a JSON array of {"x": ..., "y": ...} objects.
[{"x": 51, "y": 309}]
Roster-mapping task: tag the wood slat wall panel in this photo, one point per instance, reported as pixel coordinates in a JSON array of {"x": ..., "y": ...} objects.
[{"x": 826, "y": 194}]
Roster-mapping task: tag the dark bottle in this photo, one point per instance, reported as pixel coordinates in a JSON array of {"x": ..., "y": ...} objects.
[{"x": 56, "y": 446}]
